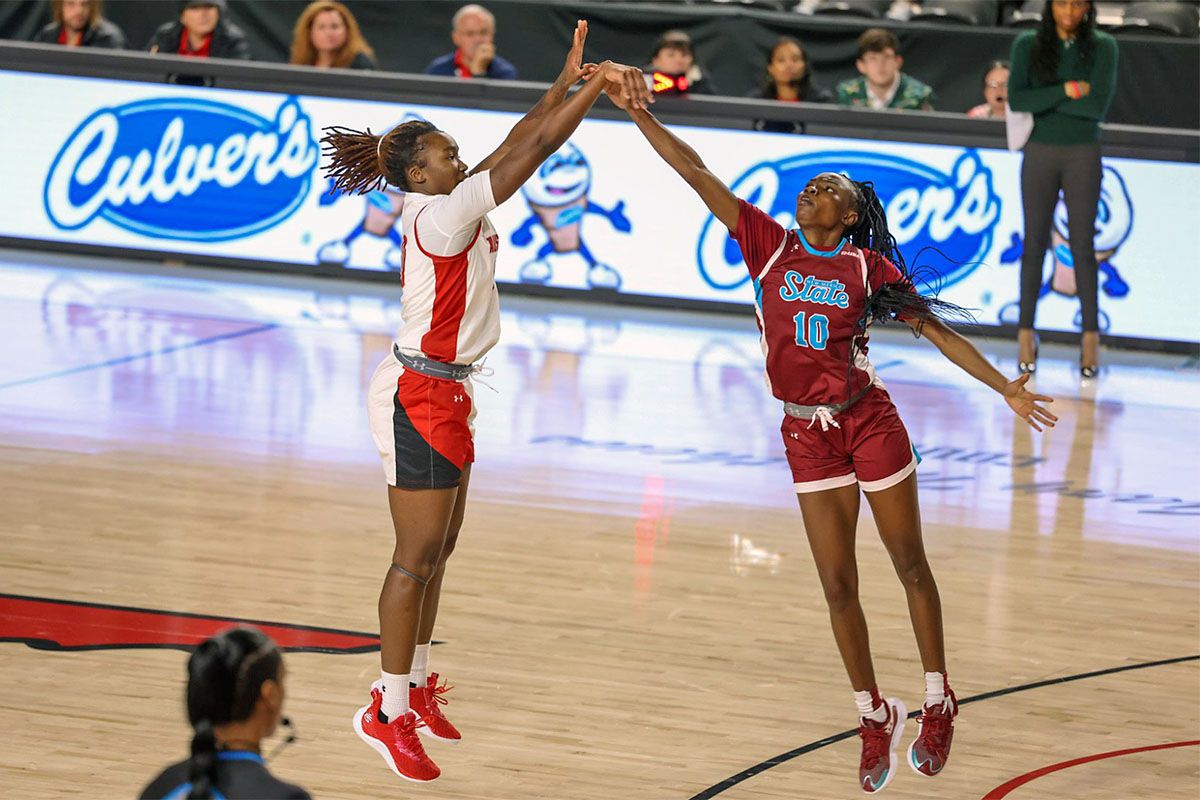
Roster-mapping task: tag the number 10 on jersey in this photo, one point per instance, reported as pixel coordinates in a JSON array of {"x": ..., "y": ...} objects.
[{"x": 812, "y": 331}]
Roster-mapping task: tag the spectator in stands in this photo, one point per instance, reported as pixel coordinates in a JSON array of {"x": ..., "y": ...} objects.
[
  {"x": 789, "y": 80},
  {"x": 1064, "y": 73},
  {"x": 474, "y": 56},
  {"x": 673, "y": 69},
  {"x": 327, "y": 35},
  {"x": 882, "y": 84},
  {"x": 77, "y": 23},
  {"x": 995, "y": 92},
  {"x": 201, "y": 31},
  {"x": 234, "y": 700}
]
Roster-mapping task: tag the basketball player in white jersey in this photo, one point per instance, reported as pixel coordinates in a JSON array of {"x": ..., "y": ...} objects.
[{"x": 420, "y": 400}]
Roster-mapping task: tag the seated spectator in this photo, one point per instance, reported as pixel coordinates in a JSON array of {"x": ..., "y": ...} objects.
[
  {"x": 327, "y": 35},
  {"x": 882, "y": 84},
  {"x": 234, "y": 700},
  {"x": 789, "y": 80},
  {"x": 474, "y": 56},
  {"x": 201, "y": 31},
  {"x": 77, "y": 23},
  {"x": 673, "y": 69},
  {"x": 995, "y": 92}
]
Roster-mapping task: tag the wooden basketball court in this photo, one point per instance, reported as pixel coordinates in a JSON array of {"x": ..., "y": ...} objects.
[{"x": 632, "y": 611}]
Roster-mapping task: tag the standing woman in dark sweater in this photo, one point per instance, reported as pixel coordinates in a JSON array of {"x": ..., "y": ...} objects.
[{"x": 1064, "y": 73}]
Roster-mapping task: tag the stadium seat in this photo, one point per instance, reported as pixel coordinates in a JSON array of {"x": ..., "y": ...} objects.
[
  {"x": 1028, "y": 15},
  {"x": 871, "y": 9},
  {"x": 1164, "y": 19},
  {"x": 966, "y": 12}
]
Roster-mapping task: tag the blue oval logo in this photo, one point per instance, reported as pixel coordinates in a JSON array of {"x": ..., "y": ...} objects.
[
  {"x": 183, "y": 168},
  {"x": 955, "y": 213}
]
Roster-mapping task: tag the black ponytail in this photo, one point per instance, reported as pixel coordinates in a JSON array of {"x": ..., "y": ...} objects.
[
  {"x": 891, "y": 300},
  {"x": 225, "y": 678},
  {"x": 202, "y": 768}
]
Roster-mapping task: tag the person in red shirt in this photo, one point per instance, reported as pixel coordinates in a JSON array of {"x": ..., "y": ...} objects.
[{"x": 818, "y": 289}]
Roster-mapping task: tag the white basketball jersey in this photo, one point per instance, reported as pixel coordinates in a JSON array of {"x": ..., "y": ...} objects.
[{"x": 450, "y": 309}]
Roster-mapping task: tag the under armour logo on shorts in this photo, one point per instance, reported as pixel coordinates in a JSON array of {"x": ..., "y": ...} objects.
[{"x": 458, "y": 398}]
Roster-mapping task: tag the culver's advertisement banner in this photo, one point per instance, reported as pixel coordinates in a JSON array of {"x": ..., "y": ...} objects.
[{"x": 237, "y": 174}]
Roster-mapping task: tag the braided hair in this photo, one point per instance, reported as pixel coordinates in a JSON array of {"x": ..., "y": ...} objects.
[
  {"x": 1045, "y": 54},
  {"x": 225, "y": 678},
  {"x": 361, "y": 162},
  {"x": 892, "y": 300}
]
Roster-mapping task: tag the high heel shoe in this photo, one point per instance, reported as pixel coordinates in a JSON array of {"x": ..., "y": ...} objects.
[
  {"x": 1029, "y": 367},
  {"x": 1088, "y": 370}
]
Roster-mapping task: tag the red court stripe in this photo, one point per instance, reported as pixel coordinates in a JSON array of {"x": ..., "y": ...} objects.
[{"x": 1003, "y": 789}]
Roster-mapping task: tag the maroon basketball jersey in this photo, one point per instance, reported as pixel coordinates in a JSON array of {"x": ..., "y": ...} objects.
[{"x": 809, "y": 303}]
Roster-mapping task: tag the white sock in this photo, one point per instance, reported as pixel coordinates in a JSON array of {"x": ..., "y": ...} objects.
[
  {"x": 420, "y": 665},
  {"x": 867, "y": 709},
  {"x": 935, "y": 688},
  {"x": 395, "y": 696}
]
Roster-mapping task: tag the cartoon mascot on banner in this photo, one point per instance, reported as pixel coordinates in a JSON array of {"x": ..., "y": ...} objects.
[
  {"x": 557, "y": 195},
  {"x": 382, "y": 212},
  {"x": 1114, "y": 222}
]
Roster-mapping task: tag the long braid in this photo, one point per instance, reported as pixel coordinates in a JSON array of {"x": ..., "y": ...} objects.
[
  {"x": 893, "y": 299},
  {"x": 361, "y": 161}
]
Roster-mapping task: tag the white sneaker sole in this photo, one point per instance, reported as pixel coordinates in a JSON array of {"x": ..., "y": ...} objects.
[
  {"x": 379, "y": 747},
  {"x": 897, "y": 734}
]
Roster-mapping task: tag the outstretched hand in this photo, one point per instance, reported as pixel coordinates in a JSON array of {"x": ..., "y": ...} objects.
[
  {"x": 1025, "y": 404},
  {"x": 574, "y": 69}
]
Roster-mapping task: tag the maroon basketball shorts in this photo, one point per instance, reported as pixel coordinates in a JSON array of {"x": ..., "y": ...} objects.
[
  {"x": 423, "y": 427},
  {"x": 871, "y": 448}
]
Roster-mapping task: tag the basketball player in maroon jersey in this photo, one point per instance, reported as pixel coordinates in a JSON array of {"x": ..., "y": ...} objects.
[{"x": 817, "y": 291}]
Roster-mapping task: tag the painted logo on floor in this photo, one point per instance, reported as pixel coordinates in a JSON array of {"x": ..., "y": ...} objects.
[
  {"x": 954, "y": 213},
  {"x": 48, "y": 624},
  {"x": 183, "y": 168}
]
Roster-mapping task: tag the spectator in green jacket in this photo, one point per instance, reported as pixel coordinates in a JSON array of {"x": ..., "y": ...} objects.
[
  {"x": 1064, "y": 73},
  {"x": 882, "y": 84}
]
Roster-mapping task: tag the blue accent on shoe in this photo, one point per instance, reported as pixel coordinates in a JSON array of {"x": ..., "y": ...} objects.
[{"x": 882, "y": 780}]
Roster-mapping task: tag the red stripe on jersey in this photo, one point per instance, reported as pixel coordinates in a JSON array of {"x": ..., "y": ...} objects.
[{"x": 449, "y": 299}]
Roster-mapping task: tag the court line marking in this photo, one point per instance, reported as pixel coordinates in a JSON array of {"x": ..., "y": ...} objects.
[
  {"x": 113, "y": 362},
  {"x": 1003, "y": 789},
  {"x": 763, "y": 766}
]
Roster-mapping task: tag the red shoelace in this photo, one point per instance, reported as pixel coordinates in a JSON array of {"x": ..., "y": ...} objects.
[
  {"x": 875, "y": 743},
  {"x": 935, "y": 725},
  {"x": 436, "y": 693}
]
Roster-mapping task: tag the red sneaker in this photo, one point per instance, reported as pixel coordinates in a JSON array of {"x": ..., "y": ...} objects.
[
  {"x": 396, "y": 741},
  {"x": 425, "y": 701},
  {"x": 879, "y": 742},
  {"x": 935, "y": 730}
]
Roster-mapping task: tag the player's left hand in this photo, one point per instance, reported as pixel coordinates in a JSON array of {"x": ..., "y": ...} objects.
[
  {"x": 1025, "y": 404},
  {"x": 574, "y": 69}
]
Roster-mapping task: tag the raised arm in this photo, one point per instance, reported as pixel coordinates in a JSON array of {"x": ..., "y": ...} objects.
[
  {"x": 960, "y": 351},
  {"x": 515, "y": 166},
  {"x": 572, "y": 71},
  {"x": 684, "y": 160}
]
